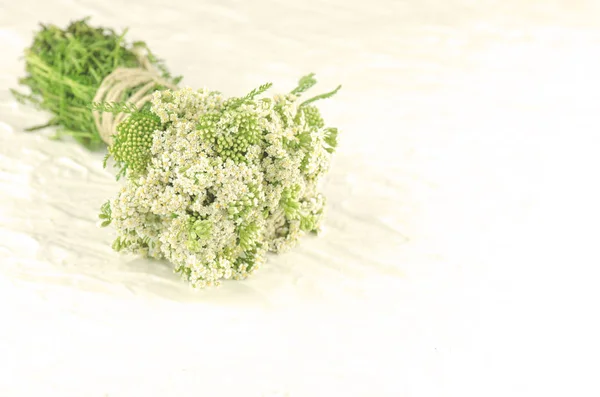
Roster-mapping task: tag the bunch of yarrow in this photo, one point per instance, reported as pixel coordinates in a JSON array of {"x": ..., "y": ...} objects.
[
  {"x": 65, "y": 68},
  {"x": 213, "y": 184}
]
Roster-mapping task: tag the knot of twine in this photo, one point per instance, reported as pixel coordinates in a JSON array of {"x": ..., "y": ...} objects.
[{"x": 142, "y": 81}]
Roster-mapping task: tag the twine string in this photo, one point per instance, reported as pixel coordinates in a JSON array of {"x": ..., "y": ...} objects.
[{"x": 142, "y": 81}]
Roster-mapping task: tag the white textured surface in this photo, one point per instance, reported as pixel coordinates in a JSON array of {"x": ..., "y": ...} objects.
[{"x": 456, "y": 260}]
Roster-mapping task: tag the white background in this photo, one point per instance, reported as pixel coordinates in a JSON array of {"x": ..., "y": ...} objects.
[{"x": 460, "y": 253}]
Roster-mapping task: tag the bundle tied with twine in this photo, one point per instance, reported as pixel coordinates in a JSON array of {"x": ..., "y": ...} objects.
[
  {"x": 68, "y": 69},
  {"x": 213, "y": 209}
]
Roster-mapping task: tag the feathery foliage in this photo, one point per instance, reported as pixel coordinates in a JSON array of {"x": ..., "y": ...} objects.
[{"x": 64, "y": 69}]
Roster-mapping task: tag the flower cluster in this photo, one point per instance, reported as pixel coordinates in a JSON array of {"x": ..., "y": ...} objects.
[
  {"x": 213, "y": 183},
  {"x": 133, "y": 141}
]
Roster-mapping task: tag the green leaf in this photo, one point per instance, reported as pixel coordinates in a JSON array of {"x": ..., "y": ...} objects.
[
  {"x": 331, "y": 139},
  {"x": 257, "y": 91},
  {"x": 322, "y": 96},
  {"x": 113, "y": 107},
  {"x": 105, "y": 160},
  {"x": 304, "y": 84},
  {"x": 106, "y": 214}
]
